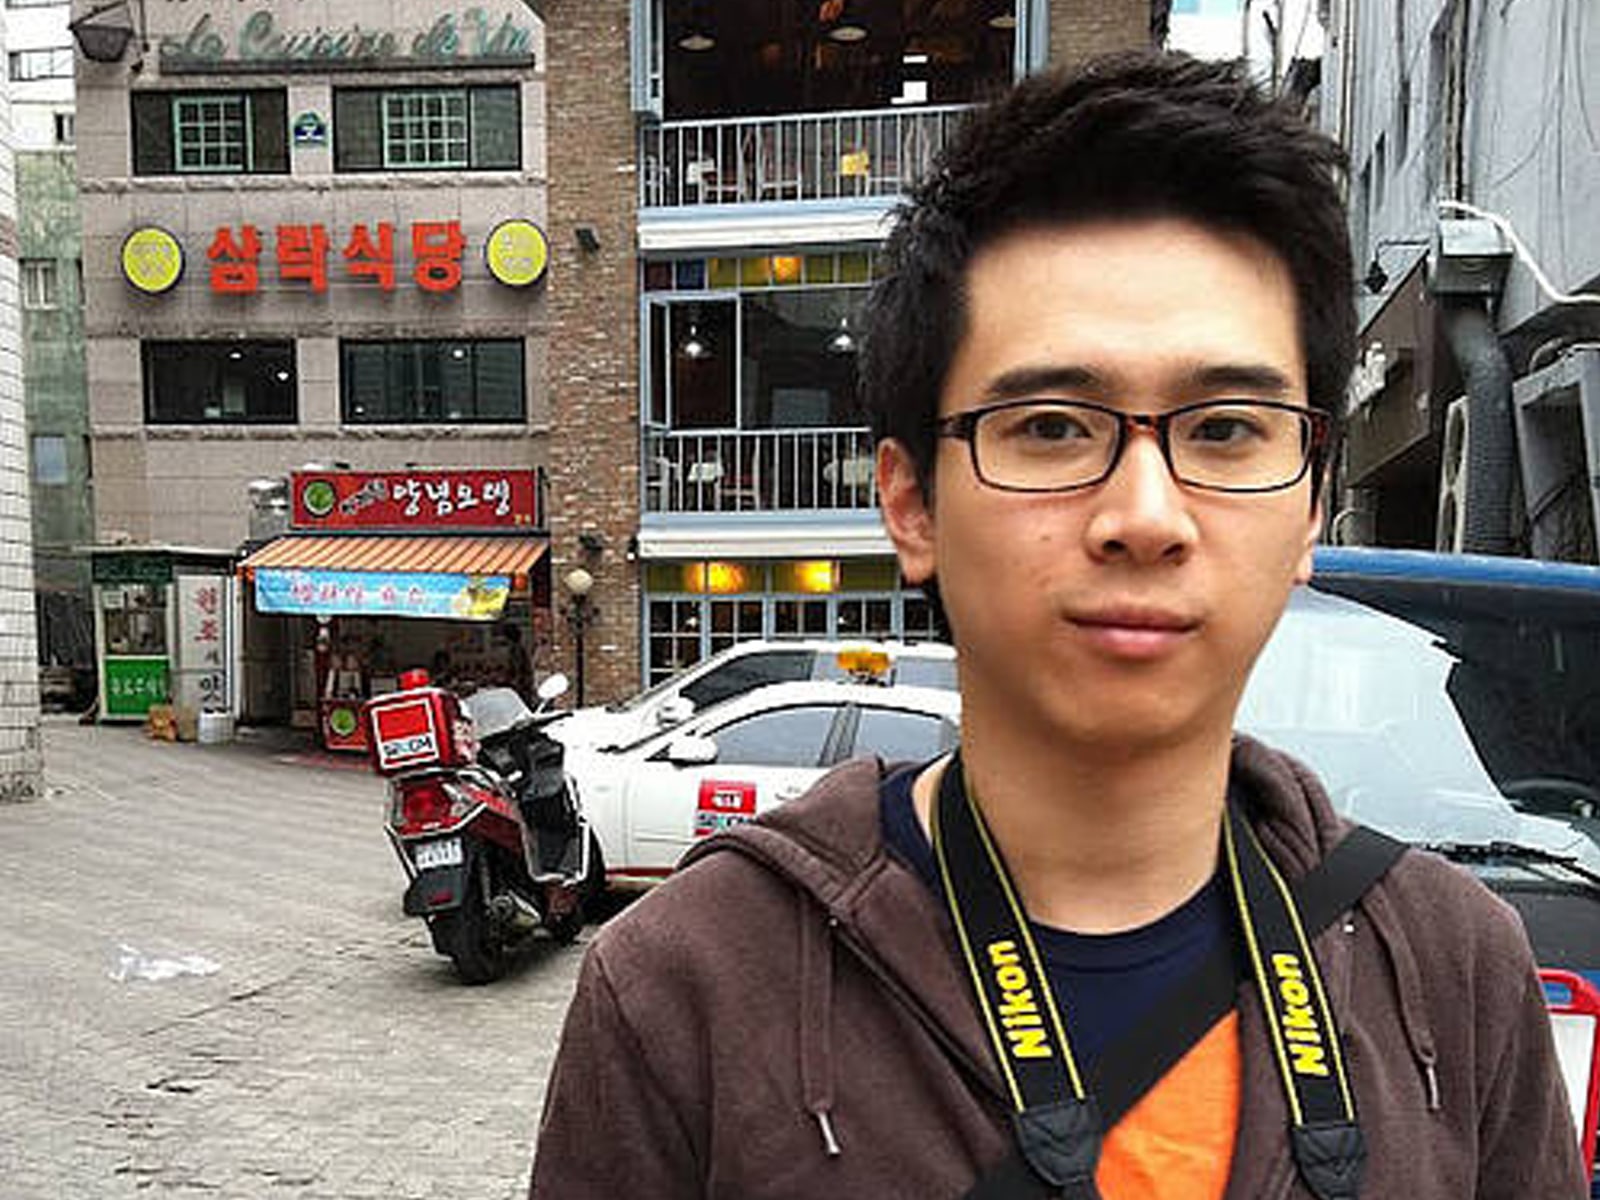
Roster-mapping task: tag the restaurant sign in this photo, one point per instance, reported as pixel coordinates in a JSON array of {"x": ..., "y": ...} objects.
[
  {"x": 381, "y": 594},
  {"x": 258, "y": 43},
  {"x": 414, "y": 500}
]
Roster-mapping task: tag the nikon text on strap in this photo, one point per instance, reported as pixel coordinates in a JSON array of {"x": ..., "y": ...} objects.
[{"x": 1058, "y": 1125}]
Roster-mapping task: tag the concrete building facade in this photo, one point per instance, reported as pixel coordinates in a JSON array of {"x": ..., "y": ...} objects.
[
  {"x": 19, "y": 675},
  {"x": 1475, "y": 416},
  {"x": 50, "y": 236}
]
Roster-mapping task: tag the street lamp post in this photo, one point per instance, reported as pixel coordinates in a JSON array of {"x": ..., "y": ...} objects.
[{"x": 580, "y": 615}]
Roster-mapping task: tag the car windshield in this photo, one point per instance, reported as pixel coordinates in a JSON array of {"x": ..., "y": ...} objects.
[{"x": 1366, "y": 700}]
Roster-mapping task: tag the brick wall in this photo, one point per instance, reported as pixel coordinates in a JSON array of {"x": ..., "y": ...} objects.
[
  {"x": 1080, "y": 29},
  {"x": 593, "y": 349}
]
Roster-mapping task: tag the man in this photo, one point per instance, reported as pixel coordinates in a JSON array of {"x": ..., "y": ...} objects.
[{"x": 1103, "y": 367}]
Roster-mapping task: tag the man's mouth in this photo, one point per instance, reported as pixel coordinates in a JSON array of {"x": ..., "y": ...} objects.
[{"x": 1135, "y": 631}]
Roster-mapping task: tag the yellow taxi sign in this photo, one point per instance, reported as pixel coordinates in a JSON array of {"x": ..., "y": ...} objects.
[
  {"x": 865, "y": 662},
  {"x": 152, "y": 260},
  {"x": 517, "y": 253}
]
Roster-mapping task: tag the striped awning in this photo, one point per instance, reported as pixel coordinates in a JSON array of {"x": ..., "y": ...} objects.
[{"x": 453, "y": 555}]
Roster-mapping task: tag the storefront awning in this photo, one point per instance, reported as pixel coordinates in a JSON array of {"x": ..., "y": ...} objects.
[
  {"x": 409, "y": 555},
  {"x": 459, "y": 578}
]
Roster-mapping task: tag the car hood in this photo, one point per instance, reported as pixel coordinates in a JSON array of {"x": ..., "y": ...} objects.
[
  {"x": 595, "y": 727},
  {"x": 1442, "y": 817}
]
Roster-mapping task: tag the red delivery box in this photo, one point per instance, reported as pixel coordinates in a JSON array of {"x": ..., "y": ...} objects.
[{"x": 418, "y": 728}]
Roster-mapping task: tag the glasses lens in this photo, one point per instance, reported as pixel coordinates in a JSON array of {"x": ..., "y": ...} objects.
[
  {"x": 1239, "y": 445},
  {"x": 1044, "y": 445}
]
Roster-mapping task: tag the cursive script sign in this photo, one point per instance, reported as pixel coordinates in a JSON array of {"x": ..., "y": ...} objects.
[{"x": 261, "y": 44}]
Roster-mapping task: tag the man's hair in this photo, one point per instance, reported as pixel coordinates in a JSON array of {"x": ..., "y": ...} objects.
[{"x": 1135, "y": 135}]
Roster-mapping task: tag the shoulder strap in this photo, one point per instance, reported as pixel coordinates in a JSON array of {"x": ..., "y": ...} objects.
[{"x": 1137, "y": 1060}]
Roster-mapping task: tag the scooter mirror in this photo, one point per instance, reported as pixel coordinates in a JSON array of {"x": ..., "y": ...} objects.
[{"x": 552, "y": 687}]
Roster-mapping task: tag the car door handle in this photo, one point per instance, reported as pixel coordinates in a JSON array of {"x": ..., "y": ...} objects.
[{"x": 791, "y": 792}]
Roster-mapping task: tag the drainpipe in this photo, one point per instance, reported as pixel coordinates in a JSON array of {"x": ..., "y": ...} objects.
[{"x": 1491, "y": 451}]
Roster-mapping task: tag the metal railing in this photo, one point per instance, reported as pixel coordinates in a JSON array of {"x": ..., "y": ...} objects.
[
  {"x": 802, "y": 156},
  {"x": 758, "y": 470}
]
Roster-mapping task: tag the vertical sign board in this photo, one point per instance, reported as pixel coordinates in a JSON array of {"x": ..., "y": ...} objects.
[{"x": 203, "y": 679}]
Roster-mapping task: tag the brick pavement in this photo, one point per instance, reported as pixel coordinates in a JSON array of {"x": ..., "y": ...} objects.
[{"x": 332, "y": 1055}]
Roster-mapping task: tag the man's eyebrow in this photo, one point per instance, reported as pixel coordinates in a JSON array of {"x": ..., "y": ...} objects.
[
  {"x": 1021, "y": 382},
  {"x": 1257, "y": 379}
]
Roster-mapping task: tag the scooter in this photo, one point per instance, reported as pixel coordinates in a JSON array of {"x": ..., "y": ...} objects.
[{"x": 484, "y": 817}]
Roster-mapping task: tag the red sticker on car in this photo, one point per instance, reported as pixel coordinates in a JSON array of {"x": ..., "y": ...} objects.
[{"x": 723, "y": 805}]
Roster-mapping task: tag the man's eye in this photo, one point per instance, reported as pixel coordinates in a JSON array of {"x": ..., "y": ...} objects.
[
  {"x": 1049, "y": 427},
  {"x": 1226, "y": 429}
]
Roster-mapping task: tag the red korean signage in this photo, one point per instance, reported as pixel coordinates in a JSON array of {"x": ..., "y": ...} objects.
[
  {"x": 366, "y": 252},
  {"x": 412, "y": 500}
]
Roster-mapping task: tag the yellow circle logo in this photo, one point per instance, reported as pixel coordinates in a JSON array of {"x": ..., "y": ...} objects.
[
  {"x": 517, "y": 253},
  {"x": 152, "y": 260}
]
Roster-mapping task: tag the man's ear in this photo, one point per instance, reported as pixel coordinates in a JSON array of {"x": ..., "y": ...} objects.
[
  {"x": 1302, "y": 570},
  {"x": 907, "y": 511}
]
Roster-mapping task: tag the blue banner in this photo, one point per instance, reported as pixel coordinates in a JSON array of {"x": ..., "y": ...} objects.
[{"x": 381, "y": 594}]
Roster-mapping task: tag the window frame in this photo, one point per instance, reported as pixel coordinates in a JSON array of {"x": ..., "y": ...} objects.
[
  {"x": 36, "y": 458},
  {"x": 32, "y": 270},
  {"x": 397, "y": 345},
  {"x": 385, "y": 140},
  {"x": 198, "y": 100},
  {"x": 156, "y": 131},
  {"x": 51, "y": 55},
  {"x": 150, "y": 348}
]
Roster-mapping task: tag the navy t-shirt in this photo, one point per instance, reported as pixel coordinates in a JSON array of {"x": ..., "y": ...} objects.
[{"x": 1103, "y": 982}]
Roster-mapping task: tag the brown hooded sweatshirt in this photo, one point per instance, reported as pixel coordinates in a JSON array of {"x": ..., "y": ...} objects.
[{"x": 789, "y": 1017}]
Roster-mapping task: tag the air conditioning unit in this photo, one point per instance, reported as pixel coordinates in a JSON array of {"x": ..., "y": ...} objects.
[{"x": 1451, "y": 523}]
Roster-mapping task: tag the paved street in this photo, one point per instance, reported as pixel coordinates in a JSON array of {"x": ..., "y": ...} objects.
[{"x": 331, "y": 1054}]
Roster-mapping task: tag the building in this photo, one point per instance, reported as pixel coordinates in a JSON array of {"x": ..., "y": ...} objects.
[
  {"x": 713, "y": 179},
  {"x": 19, "y": 675},
  {"x": 1475, "y": 414},
  {"x": 40, "y": 64},
  {"x": 310, "y": 238},
  {"x": 730, "y": 167}
]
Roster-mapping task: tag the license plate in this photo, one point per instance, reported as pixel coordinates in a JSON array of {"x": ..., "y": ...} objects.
[{"x": 446, "y": 852}]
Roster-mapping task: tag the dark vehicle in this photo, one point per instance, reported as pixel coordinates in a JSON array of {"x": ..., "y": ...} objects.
[{"x": 485, "y": 819}]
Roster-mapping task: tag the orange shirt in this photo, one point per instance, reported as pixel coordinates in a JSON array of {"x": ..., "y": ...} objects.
[{"x": 1177, "y": 1142}]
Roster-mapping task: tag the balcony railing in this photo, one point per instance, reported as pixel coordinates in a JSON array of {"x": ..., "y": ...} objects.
[
  {"x": 758, "y": 470},
  {"x": 807, "y": 156}
]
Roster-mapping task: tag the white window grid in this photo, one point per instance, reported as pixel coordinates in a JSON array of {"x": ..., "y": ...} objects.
[
  {"x": 53, "y": 62},
  {"x": 41, "y": 283},
  {"x": 211, "y": 133},
  {"x": 426, "y": 129}
]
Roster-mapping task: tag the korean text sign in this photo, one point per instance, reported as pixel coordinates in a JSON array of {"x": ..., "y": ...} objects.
[{"x": 411, "y": 500}]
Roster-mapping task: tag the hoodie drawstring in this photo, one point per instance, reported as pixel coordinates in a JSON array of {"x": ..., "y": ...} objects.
[
  {"x": 1413, "y": 999},
  {"x": 816, "y": 1023}
]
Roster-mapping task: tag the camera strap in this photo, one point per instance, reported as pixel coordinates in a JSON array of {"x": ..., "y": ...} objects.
[{"x": 1056, "y": 1120}]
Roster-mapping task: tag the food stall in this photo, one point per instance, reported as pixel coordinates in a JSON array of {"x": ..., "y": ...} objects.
[
  {"x": 164, "y": 629},
  {"x": 382, "y": 571}
]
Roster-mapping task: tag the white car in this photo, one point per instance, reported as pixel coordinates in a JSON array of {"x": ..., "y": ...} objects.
[
  {"x": 650, "y": 802},
  {"x": 737, "y": 670}
]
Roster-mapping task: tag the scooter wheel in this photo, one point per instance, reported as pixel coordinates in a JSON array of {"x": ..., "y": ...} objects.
[{"x": 468, "y": 936}]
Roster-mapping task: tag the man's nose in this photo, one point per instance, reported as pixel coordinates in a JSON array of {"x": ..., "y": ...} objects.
[{"x": 1142, "y": 512}]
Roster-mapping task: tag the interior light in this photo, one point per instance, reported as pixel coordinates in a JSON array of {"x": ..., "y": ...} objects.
[
  {"x": 817, "y": 576},
  {"x": 694, "y": 346},
  {"x": 785, "y": 268},
  {"x": 843, "y": 341}
]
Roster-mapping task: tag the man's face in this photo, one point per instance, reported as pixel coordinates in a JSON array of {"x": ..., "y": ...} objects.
[{"x": 1129, "y": 612}]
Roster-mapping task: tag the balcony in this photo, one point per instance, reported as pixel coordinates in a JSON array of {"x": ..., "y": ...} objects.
[
  {"x": 866, "y": 154},
  {"x": 759, "y": 470}
]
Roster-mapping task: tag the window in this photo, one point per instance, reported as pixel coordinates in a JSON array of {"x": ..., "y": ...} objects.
[
  {"x": 187, "y": 133},
  {"x": 445, "y": 381},
  {"x": 896, "y": 736},
  {"x": 66, "y": 129},
  {"x": 219, "y": 383},
  {"x": 743, "y": 674},
  {"x": 41, "y": 283},
  {"x": 49, "y": 460},
  {"x": 55, "y": 62},
  {"x": 788, "y": 737},
  {"x": 427, "y": 129}
]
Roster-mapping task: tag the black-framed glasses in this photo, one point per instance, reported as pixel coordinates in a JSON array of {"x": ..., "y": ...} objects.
[{"x": 1050, "y": 445}]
